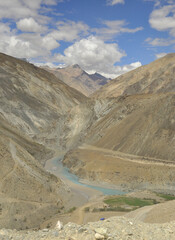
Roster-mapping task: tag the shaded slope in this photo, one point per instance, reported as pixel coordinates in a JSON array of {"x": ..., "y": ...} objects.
[
  {"x": 35, "y": 107},
  {"x": 75, "y": 77},
  {"x": 35, "y": 101}
]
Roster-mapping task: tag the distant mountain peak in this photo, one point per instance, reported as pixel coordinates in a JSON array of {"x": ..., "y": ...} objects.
[
  {"x": 76, "y": 77},
  {"x": 76, "y": 66}
]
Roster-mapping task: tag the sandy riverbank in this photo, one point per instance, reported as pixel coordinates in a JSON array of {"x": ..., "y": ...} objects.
[{"x": 80, "y": 194}]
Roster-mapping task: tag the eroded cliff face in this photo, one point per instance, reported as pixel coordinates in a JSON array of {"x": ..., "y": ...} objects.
[
  {"x": 35, "y": 109},
  {"x": 36, "y": 102}
]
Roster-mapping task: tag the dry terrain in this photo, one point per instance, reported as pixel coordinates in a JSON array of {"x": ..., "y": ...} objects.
[
  {"x": 34, "y": 109},
  {"x": 156, "y": 77},
  {"x": 131, "y": 146},
  {"x": 123, "y": 136},
  {"x": 75, "y": 77}
]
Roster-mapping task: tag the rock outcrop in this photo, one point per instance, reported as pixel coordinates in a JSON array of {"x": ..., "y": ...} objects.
[{"x": 77, "y": 78}]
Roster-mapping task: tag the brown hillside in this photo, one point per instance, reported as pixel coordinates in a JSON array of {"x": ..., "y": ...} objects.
[
  {"x": 75, "y": 77},
  {"x": 156, "y": 77}
]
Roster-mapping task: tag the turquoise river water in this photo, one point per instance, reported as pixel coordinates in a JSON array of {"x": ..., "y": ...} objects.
[{"x": 56, "y": 167}]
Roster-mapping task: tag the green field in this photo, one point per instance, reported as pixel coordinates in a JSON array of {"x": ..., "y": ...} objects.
[
  {"x": 130, "y": 201},
  {"x": 167, "y": 197}
]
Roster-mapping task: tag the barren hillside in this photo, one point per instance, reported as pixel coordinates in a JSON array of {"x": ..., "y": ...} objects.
[
  {"x": 75, "y": 77},
  {"x": 131, "y": 144},
  {"x": 156, "y": 77}
]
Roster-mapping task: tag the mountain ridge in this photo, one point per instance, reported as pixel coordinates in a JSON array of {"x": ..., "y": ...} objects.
[
  {"x": 151, "y": 78},
  {"x": 79, "y": 79}
]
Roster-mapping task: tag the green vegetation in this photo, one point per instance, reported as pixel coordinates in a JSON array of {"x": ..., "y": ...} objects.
[
  {"x": 86, "y": 209},
  {"x": 130, "y": 201},
  {"x": 167, "y": 197},
  {"x": 125, "y": 204},
  {"x": 71, "y": 210},
  {"x": 113, "y": 209}
]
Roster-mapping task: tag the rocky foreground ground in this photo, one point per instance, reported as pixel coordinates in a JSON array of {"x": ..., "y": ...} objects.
[{"x": 115, "y": 228}]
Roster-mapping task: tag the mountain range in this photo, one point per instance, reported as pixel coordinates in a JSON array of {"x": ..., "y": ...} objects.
[
  {"x": 77, "y": 78},
  {"x": 123, "y": 134}
]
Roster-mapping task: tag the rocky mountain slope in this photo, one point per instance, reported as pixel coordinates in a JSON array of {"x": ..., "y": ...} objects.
[
  {"x": 35, "y": 106},
  {"x": 131, "y": 143},
  {"x": 75, "y": 77},
  {"x": 28, "y": 194},
  {"x": 123, "y": 135},
  {"x": 36, "y": 102},
  {"x": 156, "y": 77}
]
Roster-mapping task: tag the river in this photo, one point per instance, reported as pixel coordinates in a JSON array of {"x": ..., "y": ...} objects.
[{"x": 56, "y": 167}]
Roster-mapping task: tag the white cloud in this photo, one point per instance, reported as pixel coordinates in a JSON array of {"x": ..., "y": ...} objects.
[
  {"x": 17, "y": 47},
  {"x": 119, "y": 70},
  {"x": 69, "y": 30},
  {"x": 93, "y": 55},
  {"x": 163, "y": 19},
  {"x": 160, "y": 55},
  {"x": 27, "y": 45},
  {"x": 160, "y": 20},
  {"x": 114, "y": 2},
  {"x": 49, "y": 43},
  {"x": 37, "y": 39},
  {"x": 160, "y": 42},
  {"x": 29, "y": 25},
  {"x": 113, "y": 28},
  {"x": 17, "y": 9}
]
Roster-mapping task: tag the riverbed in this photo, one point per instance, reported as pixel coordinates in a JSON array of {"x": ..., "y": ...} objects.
[{"x": 56, "y": 167}]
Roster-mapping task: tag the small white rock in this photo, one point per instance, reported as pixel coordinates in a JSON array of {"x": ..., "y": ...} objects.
[
  {"x": 59, "y": 225},
  {"x": 101, "y": 231},
  {"x": 99, "y": 236}
]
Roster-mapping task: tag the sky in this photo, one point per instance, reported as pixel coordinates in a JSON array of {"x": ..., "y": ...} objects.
[{"x": 110, "y": 37}]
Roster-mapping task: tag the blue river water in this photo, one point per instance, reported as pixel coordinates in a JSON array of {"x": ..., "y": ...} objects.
[{"x": 63, "y": 171}]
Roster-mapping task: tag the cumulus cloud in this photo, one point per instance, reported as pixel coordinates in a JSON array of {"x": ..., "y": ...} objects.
[
  {"x": 160, "y": 19},
  {"x": 40, "y": 36},
  {"x": 69, "y": 30},
  {"x": 94, "y": 55},
  {"x": 26, "y": 45},
  {"x": 119, "y": 70},
  {"x": 49, "y": 42},
  {"x": 163, "y": 19},
  {"x": 18, "y": 9},
  {"x": 112, "y": 28},
  {"x": 114, "y": 2},
  {"x": 160, "y": 55},
  {"x": 29, "y": 25}
]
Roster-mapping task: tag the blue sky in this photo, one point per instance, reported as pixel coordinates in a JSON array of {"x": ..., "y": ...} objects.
[{"x": 106, "y": 36}]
